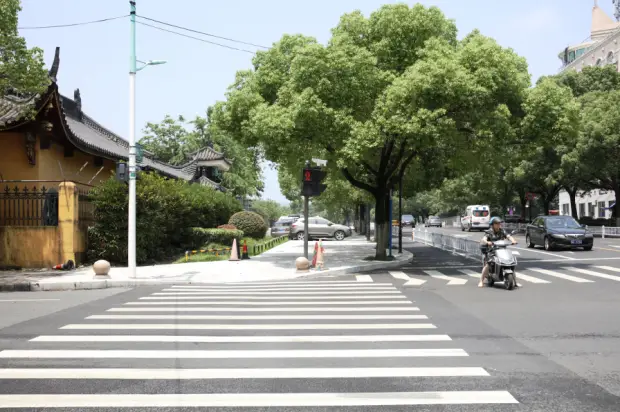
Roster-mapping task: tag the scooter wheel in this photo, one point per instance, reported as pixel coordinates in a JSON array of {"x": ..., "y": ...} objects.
[
  {"x": 490, "y": 282},
  {"x": 509, "y": 281}
]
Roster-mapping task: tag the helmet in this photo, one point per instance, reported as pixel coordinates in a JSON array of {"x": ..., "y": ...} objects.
[{"x": 495, "y": 219}]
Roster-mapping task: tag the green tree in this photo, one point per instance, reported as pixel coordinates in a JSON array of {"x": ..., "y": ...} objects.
[
  {"x": 169, "y": 141},
  {"x": 22, "y": 70},
  {"x": 386, "y": 92},
  {"x": 270, "y": 210}
]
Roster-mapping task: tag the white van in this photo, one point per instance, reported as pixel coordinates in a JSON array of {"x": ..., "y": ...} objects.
[{"x": 476, "y": 217}]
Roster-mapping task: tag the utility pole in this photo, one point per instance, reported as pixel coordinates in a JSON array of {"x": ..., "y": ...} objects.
[
  {"x": 390, "y": 231},
  {"x": 131, "y": 235},
  {"x": 306, "y": 218},
  {"x": 400, "y": 214}
]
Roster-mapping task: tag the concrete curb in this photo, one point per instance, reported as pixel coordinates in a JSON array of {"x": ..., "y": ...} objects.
[{"x": 130, "y": 283}]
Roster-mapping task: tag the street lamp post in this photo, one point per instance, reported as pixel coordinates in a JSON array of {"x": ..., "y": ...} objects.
[{"x": 131, "y": 221}]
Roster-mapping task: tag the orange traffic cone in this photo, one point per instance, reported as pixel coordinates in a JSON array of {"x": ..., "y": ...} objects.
[
  {"x": 245, "y": 254},
  {"x": 234, "y": 252},
  {"x": 316, "y": 249}
]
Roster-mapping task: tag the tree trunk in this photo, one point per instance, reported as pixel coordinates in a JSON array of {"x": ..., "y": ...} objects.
[
  {"x": 523, "y": 201},
  {"x": 356, "y": 219},
  {"x": 572, "y": 193},
  {"x": 381, "y": 224}
]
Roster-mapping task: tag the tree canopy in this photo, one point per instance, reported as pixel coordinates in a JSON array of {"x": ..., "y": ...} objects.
[
  {"x": 384, "y": 95},
  {"x": 22, "y": 70}
]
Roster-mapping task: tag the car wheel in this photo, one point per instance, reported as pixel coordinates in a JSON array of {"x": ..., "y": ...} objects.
[
  {"x": 339, "y": 235},
  {"x": 588, "y": 247},
  {"x": 548, "y": 245},
  {"x": 300, "y": 235},
  {"x": 528, "y": 241}
]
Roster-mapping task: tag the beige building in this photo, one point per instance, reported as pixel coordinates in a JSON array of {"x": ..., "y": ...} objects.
[{"x": 601, "y": 47}]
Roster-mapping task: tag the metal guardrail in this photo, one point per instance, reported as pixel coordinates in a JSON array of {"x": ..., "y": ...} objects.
[
  {"x": 604, "y": 231},
  {"x": 458, "y": 245}
]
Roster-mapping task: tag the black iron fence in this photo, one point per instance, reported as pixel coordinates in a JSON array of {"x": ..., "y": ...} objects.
[
  {"x": 28, "y": 206},
  {"x": 86, "y": 209}
]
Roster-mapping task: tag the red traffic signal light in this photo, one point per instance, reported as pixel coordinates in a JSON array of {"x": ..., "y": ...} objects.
[{"x": 307, "y": 175}]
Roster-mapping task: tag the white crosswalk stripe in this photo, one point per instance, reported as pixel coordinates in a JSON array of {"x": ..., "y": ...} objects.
[
  {"x": 451, "y": 280},
  {"x": 593, "y": 273},
  {"x": 560, "y": 275},
  {"x": 329, "y": 339}
]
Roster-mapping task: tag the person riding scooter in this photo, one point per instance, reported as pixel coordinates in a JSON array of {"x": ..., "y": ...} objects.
[{"x": 494, "y": 234}]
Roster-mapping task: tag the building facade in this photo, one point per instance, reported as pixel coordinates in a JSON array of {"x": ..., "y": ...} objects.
[{"x": 602, "y": 48}]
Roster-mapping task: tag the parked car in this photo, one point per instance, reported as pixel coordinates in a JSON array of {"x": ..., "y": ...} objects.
[
  {"x": 281, "y": 229},
  {"x": 319, "y": 227},
  {"x": 433, "y": 221},
  {"x": 562, "y": 232},
  {"x": 407, "y": 220}
]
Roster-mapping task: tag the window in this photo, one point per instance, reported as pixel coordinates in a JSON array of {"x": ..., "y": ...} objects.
[
  {"x": 320, "y": 221},
  {"x": 599, "y": 62},
  {"x": 562, "y": 223},
  {"x": 565, "y": 209},
  {"x": 582, "y": 209},
  {"x": 601, "y": 210},
  {"x": 590, "y": 209},
  {"x": 481, "y": 213},
  {"x": 610, "y": 58},
  {"x": 571, "y": 56}
]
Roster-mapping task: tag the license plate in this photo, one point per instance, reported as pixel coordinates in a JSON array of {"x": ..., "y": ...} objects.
[{"x": 575, "y": 242}]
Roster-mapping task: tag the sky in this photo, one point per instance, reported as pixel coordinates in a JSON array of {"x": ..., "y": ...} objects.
[{"x": 95, "y": 58}]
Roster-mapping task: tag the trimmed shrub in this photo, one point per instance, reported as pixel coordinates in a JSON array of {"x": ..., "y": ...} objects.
[
  {"x": 199, "y": 237},
  {"x": 166, "y": 211},
  {"x": 251, "y": 223},
  {"x": 227, "y": 227}
]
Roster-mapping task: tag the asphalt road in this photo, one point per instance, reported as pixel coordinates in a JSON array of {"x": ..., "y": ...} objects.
[{"x": 356, "y": 343}]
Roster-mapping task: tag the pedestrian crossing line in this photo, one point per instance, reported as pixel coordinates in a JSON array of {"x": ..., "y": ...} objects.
[
  {"x": 281, "y": 303},
  {"x": 609, "y": 268},
  {"x": 519, "y": 276},
  {"x": 451, "y": 280},
  {"x": 133, "y": 308},
  {"x": 361, "y": 288},
  {"x": 470, "y": 273},
  {"x": 592, "y": 273},
  {"x": 324, "y": 284},
  {"x": 364, "y": 278},
  {"x": 277, "y": 298},
  {"x": 228, "y": 354},
  {"x": 232, "y": 317},
  {"x": 408, "y": 280},
  {"x": 561, "y": 275},
  {"x": 245, "y": 373},
  {"x": 286, "y": 295},
  {"x": 241, "y": 339},
  {"x": 266, "y": 400},
  {"x": 277, "y": 282},
  {"x": 202, "y": 326}
]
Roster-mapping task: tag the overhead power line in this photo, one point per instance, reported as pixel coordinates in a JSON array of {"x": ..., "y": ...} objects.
[
  {"x": 73, "y": 24},
  {"x": 195, "y": 38},
  {"x": 201, "y": 32}
]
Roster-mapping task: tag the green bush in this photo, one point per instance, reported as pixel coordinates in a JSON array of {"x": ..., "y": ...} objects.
[
  {"x": 199, "y": 237},
  {"x": 252, "y": 224},
  {"x": 166, "y": 212}
]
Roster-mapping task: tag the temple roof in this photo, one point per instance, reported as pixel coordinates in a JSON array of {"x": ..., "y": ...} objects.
[{"x": 602, "y": 24}]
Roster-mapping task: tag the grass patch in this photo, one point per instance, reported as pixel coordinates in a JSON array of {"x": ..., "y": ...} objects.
[{"x": 255, "y": 248}]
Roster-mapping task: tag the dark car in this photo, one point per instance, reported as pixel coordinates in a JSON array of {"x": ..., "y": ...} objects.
[
  {"x": 407, "y": 220},
  {"x": 558, "y": 232}
]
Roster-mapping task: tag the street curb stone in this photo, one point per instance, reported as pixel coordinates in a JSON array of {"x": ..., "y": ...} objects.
[{"x": 130, "y": 283}]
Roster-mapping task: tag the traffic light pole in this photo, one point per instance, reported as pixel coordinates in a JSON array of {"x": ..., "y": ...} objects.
[
  {"x": 306, "y": 220},
  {"x": 400, "y": 214}
]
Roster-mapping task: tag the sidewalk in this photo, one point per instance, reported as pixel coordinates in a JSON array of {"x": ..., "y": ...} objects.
[{"x": 341, "y": 258}]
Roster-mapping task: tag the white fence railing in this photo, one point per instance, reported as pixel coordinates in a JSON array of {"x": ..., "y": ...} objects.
[
  {"x": 604, "y": 231},
  {"x": 457, "y": 245}
]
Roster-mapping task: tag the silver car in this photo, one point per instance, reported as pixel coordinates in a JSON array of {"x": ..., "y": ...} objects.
[
  {"x": 319, "y": 227},
  {"x": 433, "y": 221}
]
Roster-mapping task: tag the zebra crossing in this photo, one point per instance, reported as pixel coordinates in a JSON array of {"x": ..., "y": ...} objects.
[
  {"x": 295, "y": 344},
  {"x": 533, "y": 275}
]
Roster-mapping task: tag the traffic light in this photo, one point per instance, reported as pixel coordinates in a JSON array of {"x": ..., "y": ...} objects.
[{"x": 311, "y": 179}]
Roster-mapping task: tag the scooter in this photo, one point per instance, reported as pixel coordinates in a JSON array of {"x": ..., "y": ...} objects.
[{"x": 502, "y": 264}]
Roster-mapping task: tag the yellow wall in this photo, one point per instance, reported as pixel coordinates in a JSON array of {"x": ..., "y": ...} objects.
[
  {"x": 30, "y": 247},
  {"x": 13, "y": 161}
]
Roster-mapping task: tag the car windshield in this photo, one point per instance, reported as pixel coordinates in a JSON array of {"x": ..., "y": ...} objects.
[
  {"x": 562, "y": 223},
  {"x": 481, "y": 213},
  {"x": 407, "y": 217}
]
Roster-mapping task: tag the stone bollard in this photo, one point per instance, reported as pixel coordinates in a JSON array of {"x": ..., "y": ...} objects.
[
  {"x": 102, "y": 269},
  {"x": 302, "y": 264}
]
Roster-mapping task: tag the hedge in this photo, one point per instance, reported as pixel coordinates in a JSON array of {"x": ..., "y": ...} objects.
[
  {"x": 200, "y": 237},
  {"x": 167, "y": 210},
  {"x": 251, "y": 223}
]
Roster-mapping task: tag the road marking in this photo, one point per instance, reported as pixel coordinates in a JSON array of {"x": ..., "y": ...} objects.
[
  {"x": 283, "y": 303},
  {"x": 281, "y": 295},
  {"x": 289, "y": 317},
  {"x": 561, "y": 275},
  {"x": 26, "y": 300},
  {"x": 521, "y": 275},
  {"x": 316, "y": 284},
  {"x": 275, "y": 373},
  {"x": 604, "y": 248},
  {"x": 616, "y": 246},
  {"x": 451, "y": 280},
  {"x": 266, "y": 400},
  {"x": 240, "y": 339},
  {"x": 544, "y": 253},
  {"x": 408, "y": 280},
  {"x": 202, "y": 326},
  {"x": 470, "y": 273},
  {"x": 609, "y": 268},
  {"x": 360, "y": 287},
  {"x": 364, "y": 278},
  {"x": 253, "y": 310},
  {"x": 592, "y": 273},
  {"x": 228, "y": 354}
]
